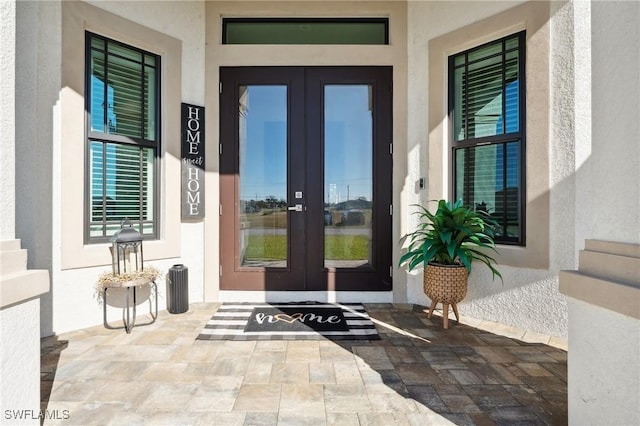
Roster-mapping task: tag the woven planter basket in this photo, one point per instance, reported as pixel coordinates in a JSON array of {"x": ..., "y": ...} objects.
[{"x": 445, "y": 283}]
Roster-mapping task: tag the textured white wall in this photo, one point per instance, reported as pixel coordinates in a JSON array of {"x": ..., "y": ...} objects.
[
  {"x": 20, "y": 361},
  {"x": 427, "y": 20},
  {"x": 72, "y": 303},
  {"x": 529, "y": 298},
  {"x": 37, "y": 84},
  {"x": 613, "y": 174},
  {"x": 19, "y": 328},
  {"x": 7, "y": 120},
  {"x": 76, "y": 304},
  {"x": 604, "y": 346},
  {"x": 604, "y": 372},
  {"x": 183, "y": 20},
  {"x": 562, "y": 150}
]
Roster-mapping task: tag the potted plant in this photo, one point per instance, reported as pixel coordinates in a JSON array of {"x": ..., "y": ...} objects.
[{"x": 446, "y": 243}]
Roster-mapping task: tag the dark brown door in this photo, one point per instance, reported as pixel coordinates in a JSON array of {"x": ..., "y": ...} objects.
[{"x": 305, "y": 180}]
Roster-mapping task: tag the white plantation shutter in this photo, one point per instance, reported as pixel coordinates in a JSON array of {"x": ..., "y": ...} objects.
[{"x": 122, "y": 137}]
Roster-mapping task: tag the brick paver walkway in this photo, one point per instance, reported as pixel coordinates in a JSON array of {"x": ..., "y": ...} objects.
[{"x": 417, "y": 374}]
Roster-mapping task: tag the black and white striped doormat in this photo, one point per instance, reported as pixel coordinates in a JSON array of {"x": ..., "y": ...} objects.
[{"x": 290, "y": 321}]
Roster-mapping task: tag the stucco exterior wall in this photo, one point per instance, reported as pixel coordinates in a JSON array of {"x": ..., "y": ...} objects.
[
  {"x": 561, "y": 166},
  {"x": 529, "y": 297},
  {"x": 53, "y": 86},
  {"x": 426, "y": 21},
  {"x": 612, "y": 172},
  {"x": 604, "y": 294},
  {"x": 20, "y": 360},
  {"x": 19, "y": 327},
  {"x": 183, "y": 21},
  {"x": 7, "y": 120},
  {"x": 603, "y": 366},
  {"x": 587, "y": 161},
  {"x": 37, "y": 75}
]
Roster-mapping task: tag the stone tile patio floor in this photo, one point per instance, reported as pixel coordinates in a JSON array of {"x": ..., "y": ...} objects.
[{"x": 417, "y": 374}]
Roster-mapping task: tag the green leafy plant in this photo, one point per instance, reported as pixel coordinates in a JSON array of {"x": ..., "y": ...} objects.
[{"x": 453, "y": 235}]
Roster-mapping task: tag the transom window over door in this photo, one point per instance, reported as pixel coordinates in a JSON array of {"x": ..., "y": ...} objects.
[
  {"x": 123, "y": 122},
  {"x": 305, "y": 31},
  {"x": 487, "y": 116}
]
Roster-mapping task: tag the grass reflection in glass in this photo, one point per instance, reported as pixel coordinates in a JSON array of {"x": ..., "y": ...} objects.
[
  {"x": 346, "y": 247},
  {"x": 266, "y": 247},
  {"x": 337, "y": 247}
]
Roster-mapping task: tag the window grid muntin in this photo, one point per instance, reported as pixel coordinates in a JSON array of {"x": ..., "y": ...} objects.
[
  {"x": 517, "y": 136},
  {"x": 454, "y": 65},
  {"x": 144, "y": 87},
  {"x": 137, "y": 159},
  {"x": 147, "y": 60}
]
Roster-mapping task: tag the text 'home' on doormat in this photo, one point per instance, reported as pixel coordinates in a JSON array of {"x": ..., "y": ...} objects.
[{"x": 290, "y": 321}]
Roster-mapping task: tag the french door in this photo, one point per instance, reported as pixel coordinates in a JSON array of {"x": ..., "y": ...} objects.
[{"x": 305, "y": 178}]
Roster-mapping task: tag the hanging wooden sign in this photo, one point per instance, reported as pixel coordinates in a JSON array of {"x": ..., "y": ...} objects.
[{"x": 192, "y": 161}]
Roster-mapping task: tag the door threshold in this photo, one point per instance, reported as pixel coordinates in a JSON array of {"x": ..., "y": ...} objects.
[{"x": 298, "y": 296}]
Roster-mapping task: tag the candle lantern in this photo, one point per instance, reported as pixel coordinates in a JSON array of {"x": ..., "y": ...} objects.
[{"x": 127, "y": 249}]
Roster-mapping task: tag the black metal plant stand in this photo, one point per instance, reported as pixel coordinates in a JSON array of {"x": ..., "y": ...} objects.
[{"x": 130, "y": 320}]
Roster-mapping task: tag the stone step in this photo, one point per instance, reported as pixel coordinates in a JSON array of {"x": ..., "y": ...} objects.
[
  {"x": 23, "y": 285},
  {"x": 612, "y": 295},
  {"x": 10, "y": 245},
  {"x": 12, "y": 261},
  {"x": 16, "y": 282},
  {"x": 616, "y": 267},
  {"x": 620, "y": 249}
]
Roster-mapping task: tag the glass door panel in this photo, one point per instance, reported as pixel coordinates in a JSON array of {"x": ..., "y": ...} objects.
[
  {"x": 348, "y": 175},
  {"x": 305, "y": 178},
  {"x": 262, "y": 191}
]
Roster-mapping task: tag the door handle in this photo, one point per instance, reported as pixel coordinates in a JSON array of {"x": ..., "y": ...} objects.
[{"x": 296, "y": 208}]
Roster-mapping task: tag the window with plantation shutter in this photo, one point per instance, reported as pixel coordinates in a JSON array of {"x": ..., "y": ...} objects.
[
  {"x": 122, "y": 137},
  {"x": 487, "y": 110}
]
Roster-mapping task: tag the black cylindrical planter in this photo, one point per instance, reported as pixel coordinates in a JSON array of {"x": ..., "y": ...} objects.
[{"x": 178, "y": 289}]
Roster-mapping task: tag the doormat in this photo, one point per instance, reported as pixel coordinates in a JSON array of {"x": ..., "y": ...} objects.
[{"x": 290, "y": 321}]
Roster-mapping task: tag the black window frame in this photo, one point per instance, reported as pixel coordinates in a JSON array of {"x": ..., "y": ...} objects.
[
  {"x": 500, "y": 139},
  {"x": 384, "y": 21},
  {"x": 106, "y": 138}
]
